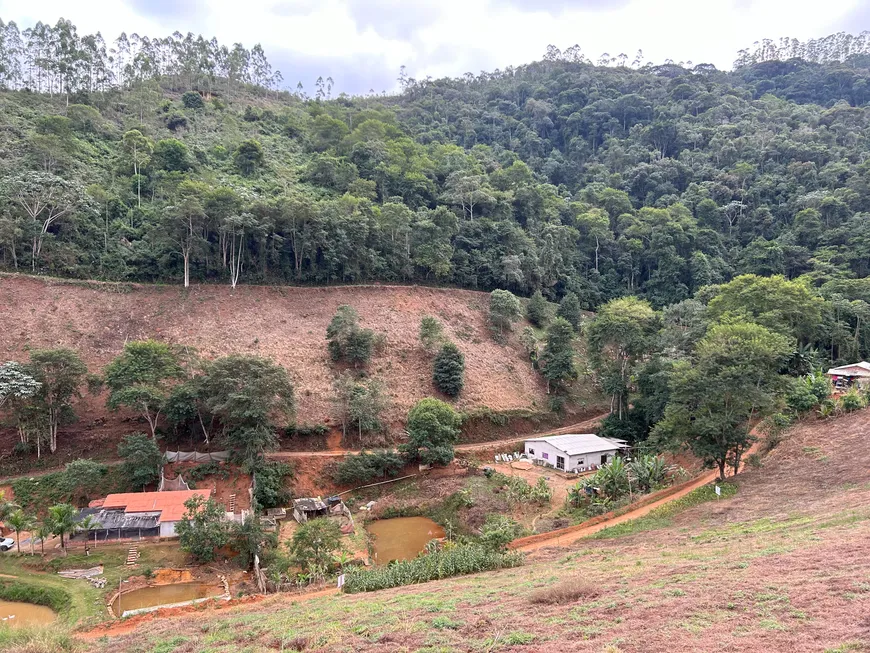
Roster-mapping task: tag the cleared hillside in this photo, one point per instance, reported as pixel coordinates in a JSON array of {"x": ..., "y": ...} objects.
[
  {"x": 781, "y": 566},
  {"x": 285, "y": 324}
]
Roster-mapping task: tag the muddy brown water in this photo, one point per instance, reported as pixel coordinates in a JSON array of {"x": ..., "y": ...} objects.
[
  {"x": 149, "y": 597},
  {"x": 402, "y": 538},
  {"x": 15, "y": 613}
]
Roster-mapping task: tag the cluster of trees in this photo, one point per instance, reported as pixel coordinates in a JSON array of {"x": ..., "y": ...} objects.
[
  {"x": 559, "y": 176},
  {"x": 701, "y": 372},
  {"x": 55, "y": 59},
  {"x": 448, "y": 366},
  {"x": 236, "y": 399}
]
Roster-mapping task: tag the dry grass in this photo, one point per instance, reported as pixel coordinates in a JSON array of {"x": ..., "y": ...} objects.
[{"x": 570, "y": 590}]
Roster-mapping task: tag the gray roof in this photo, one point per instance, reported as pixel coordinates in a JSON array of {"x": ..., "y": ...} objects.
[
  {"x": 310, "y": 504},
  {"x": 581, "y": 443},
  {"x": 113, "y": 519}
]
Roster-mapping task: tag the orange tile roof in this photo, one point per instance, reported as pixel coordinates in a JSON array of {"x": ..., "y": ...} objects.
[{"x": 170, "y": 505}]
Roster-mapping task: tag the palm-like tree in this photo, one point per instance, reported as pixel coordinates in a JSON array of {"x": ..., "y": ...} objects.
[
  {"x": 19, "y": 521},
  {"x": 6, "y": 507},
  {"x": 62, "y": 518},
  {"x": 43, "y": 531},
  {"x": 89, "y": 524}
]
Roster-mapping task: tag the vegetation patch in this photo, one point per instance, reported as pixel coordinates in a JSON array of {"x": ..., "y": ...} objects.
[
  {"x": 51, "y": 597},
  {"x": 455, "y": 560}
]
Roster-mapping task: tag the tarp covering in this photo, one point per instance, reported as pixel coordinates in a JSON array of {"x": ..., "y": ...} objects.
[
  {"x": 196, "y": 456},
  {"x": 171, "y": 484}
]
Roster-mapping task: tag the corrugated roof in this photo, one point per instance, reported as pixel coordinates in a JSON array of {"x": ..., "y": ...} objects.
[
  {"x": 849, "y": 370},
  {"x": 169, "y": 504},
  {"x": 580, "y": 443}
]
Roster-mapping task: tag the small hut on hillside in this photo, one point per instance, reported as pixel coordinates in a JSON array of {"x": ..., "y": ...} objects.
[{"x": 847, "y": 376}]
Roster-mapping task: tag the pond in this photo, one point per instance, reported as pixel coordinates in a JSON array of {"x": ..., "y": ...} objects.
[
  {"x": 156, "y": 595},
  {"x": 402, "y": 538},
  {"x": 15, "y": 613}
]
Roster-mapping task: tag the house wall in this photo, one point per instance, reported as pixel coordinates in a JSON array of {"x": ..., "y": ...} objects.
[
  {"x": 547, "y": 453},
  {"x": 167, "y": 529}
]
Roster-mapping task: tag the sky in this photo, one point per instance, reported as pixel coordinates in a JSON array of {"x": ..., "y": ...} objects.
[{"x": 361, "y": 44}]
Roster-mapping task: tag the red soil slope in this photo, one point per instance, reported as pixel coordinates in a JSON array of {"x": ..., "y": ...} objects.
[{"x": 286, "y": 324}]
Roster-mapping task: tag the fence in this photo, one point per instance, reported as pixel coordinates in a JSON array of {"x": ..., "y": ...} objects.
[{"x": 196, "y": 456}]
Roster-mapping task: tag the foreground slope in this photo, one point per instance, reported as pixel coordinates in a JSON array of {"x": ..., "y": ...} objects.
[
  {"x": 781, "y": 566},
  {"x": 286, "y": 324}
]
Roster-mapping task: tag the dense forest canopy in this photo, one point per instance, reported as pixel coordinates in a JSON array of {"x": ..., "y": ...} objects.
[{"x": 173, "y": 159}]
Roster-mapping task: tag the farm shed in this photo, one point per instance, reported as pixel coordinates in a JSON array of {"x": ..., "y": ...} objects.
[
  {"x": 846, "y": 376},
  {"x": 572, "y": 452}
]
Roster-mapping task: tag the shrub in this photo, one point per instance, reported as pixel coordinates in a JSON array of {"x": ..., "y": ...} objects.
[
  {"x": 569, "y": 310},
  {"x": 567, "y": 591},
  {"x": 269, "y": 478},
  {"x": 192, "y": 100},
  {"x": 249, "y": 157},
  {"x": 504, "y": 310},
  {"x": 451, "y": 561},
  {"x": 538, "y": 310},
  {"x": 852, "y": 401},
  {"x": 368, "y": 466},
  {"x": 498, "y": 531},
  {"x": 431, "y": 332},
  {"x": 448, "y": 371},
  {"x": 346, "y": 340}
]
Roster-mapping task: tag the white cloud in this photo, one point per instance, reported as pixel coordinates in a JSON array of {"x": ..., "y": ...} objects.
[{"x": 451, "y": 37}]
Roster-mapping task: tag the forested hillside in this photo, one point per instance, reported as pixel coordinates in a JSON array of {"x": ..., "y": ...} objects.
[{"x": 168, "y": 160}]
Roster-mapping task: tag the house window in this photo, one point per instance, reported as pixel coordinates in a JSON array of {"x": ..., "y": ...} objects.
[
  {"x": 580, "y": 462},
  {"x": 560, "y": 462},
  {"x": 531, "y": 452},
  {"x": 603, "y": 458},
  {"x": 546, "y": 455}
]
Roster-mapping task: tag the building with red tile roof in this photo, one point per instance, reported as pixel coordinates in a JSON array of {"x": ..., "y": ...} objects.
[{"x": 165, "y": 509}]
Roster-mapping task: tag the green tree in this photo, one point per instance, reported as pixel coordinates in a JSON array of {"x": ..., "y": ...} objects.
[
  {"x": 360, "y": 403},
  {"x": 142, "y": 460},
  {"x": 569, "y": 309},
  {"x": 538, "y": 310},
  {"x": 368, "y": 466},
  {"x": 62, "y": 518},
  {"x": 19, "y": 521},
  {"x": 619, "y": 336},
  {"x": 81, "y": 477},
  {"x": 250, "y": 538},
  {"x": 192, "y": 100},
  {"x": 139, "y": 148},
  {"x": 431, "y": 332},
  {"x": 16, "y": 383},
  {"x": 448, "y": 370},
  {"x": 60, "y": 373},
  {"x": 270, "y": 478},
  {"x": 315, "y": 544},
  {"x": 433, "y": 429},
  {"x": 557, "y": 359},
  {"x": 202, "y": 529},
  {"x": 249, "y": 157},
  {"x": 732, "y": 379},
  {"x": 246, "y": 394},
  {"x": 346, "y": 340},
  {"x": 498, "y": 531},
  {"x": 504, "y": 310},
  {"x": 141, "y": 378}
]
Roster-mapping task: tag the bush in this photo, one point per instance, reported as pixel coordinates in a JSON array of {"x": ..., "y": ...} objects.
[
  {"x": 498, "y": 532},
  {"x": 451, "y": 561},
  {"x": 249, "y": 157},
  {"x": 368, "y": 466},
  {"x": 431, "y": 332},
  {"x": 852, "y": 401},
  {"x": 271, "y": 490},
  {"x": 538, "y": 310},
  {"x": 346, "y": 340},
  {"x": 569, "y": 310},
  {"x": 448, "y": 371},
  {"x": 142, "y": 459},
  {"x": 567, "y": 591},
  {"x": 192, "y": 100},
  {"x": 504, "y": 310}
]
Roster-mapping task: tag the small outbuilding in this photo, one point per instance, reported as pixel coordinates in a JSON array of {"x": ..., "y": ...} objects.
[
  {"x": 309, "y": 508},
  {"x": 574, "y": 452},
  {"x": 846, "y": 376}
]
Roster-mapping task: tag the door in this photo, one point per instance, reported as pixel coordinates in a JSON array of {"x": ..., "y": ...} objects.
[{"x": 560, "y": 463}]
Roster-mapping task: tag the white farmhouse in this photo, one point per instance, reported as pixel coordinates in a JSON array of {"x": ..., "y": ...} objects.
[{"x": 574, "y": 452}]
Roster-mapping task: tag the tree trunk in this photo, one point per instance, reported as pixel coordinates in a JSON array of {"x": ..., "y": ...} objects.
[
  {"x": 721, "y": 463},
  {"x": 186, "y": 269}
]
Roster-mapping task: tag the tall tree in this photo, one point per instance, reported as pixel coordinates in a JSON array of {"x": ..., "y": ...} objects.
[
  {"x": 732, "y": 379},
  {"x": 61, "y": 374}
]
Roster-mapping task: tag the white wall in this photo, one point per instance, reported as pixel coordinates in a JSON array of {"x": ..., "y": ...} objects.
[
  {"x": 167, "y": 529},
  {"x": 571, "y": 462}
]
